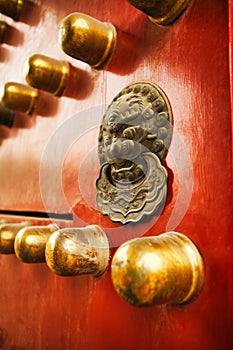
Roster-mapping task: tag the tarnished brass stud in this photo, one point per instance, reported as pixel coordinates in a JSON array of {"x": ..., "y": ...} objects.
[
  {"x": 19, "y": 97},
  {"x": 78, "y": 251},
  {"x": 30, "y": 243},
  {"x": 7, "y": 236},
  {"x": 161, "y": 11},
  {"x": 46, "y": 73},
  {"x": 87, "y": 39},
  {"x": 166, "y": 269},
  {"x": 11, "y": 8},
  {"x": 6, "y": 116},
  {"x": 3, "y": 29}
]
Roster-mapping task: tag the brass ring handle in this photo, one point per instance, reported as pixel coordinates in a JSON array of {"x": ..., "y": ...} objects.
[
  {"x": 165, "y": 269},
  {"x": 161, "y": 12}
]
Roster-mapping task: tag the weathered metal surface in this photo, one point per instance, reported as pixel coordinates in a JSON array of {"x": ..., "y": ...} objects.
[
  {"x": 19, "y": 97},
  {"x": 87, "y": 39},
  {"x": 134, "y": 137},
  {"x": 8, "y": 232},
  {"x": 47, "y": 73},
  {"x": 78, "y": 251},
  {"x": 166, "y": 269},
  {"x": 30, "y": 242}
]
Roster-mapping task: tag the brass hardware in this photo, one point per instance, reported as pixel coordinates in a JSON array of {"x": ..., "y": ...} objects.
[
  {"x": 6, "y": 116},
  {"x": 87, "y": 39},
  {"x": 11, "y": 8},
  {"x": 133, "y": 141},
  {"x": 46, "y": 73},
  {"x": 19, "y": 97},
  {"x": 161, "y": 11},
  {"x": 78, "y": 251},
  {"x": 3, "y": 29},
  {"x": 167, "y": 269},
  {"x": 7, "y": 236},
  {"x": 30, "y": 243}
]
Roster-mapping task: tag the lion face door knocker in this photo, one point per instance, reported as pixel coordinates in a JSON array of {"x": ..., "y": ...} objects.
[{"x": 133, "y": 140}]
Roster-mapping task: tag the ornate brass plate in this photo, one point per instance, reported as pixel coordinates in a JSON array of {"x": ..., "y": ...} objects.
[{"x": 133, "y": 140}]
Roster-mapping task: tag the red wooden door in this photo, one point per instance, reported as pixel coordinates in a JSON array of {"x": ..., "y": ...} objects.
[{"x": 49, "y": 164}]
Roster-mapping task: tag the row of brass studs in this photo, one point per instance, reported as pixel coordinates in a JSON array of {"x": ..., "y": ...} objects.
[
  {"x": 165, "y": 269},
  {"x": 94, "y": 44},
  {"x": 81, "y": 37},
  {"x": 160, "y": 12},
  {"x": 13, "y": 9}
]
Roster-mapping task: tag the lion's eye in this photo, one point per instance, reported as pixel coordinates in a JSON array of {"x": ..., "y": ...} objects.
[
  {"x": 107, "y": 141},
  {"x": 112, "y": 118}
]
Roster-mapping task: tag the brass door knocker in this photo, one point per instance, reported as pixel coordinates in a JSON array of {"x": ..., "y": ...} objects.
[{"x": 133, "y": 141}]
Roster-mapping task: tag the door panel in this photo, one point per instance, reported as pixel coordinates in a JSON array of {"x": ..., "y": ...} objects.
[{"x": 43, "y": 171}]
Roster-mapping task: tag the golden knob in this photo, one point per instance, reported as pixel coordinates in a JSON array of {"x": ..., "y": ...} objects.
[
  {"x": 6, "y": 116},
  {"x": 30, "y": 243},
  {"x": 3, "y": 29},
  {"x": 166, "y": 269},
  {"x": 161, "y": 11},
  {"x": 19, "y": 97},
  {"x": 7, "y": 236},
  {"x": 11, "y": 8},
  {"x": 46, "y": 73},
  {"x": 87, "y": 39},
  {"x": 78, "y": 251}
]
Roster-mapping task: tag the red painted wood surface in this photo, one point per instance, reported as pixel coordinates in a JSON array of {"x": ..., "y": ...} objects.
[{"x": 189, "y": 60}]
